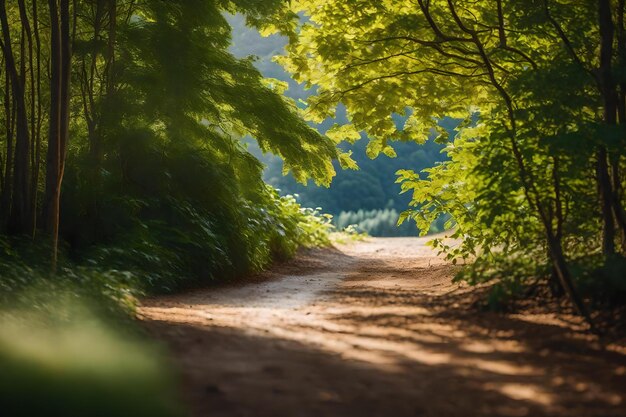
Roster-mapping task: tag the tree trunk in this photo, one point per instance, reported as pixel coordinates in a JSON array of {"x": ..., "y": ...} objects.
[
  {"x": 618, "y": 208},
  {"x": 38, "y": 119},
  {"x": 605, "y": 191},
  {"x": 563, "y": 273},
  {"x": 26, "y": 30},
  {"x": 20, "y": 207},
  {"x": 554, "y": 282},
  {"x": 609, "y": 94},
  {"x": 5, "y": 199},
  {"x": 60, "y": 62}
]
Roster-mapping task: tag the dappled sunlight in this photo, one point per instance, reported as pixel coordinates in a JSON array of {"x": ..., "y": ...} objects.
[
  {"x": 322, "y": 207},
  {"x": 523, "y": 392},
  {"x": 326, "y": 328},
  {"x": 394, "y": 317}
]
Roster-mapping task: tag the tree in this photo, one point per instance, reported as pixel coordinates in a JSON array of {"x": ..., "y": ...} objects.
[
  {"x": 60, "y": 62},
  {"x": 20, "y": 194},
  {"x": 120, "y": 77},
  {"x": 436, "y": 58}
]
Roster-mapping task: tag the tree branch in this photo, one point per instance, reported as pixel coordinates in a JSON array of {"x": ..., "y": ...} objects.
[
  {"x": 568, "y": 44},
  {"x": 503, "y": 40}
]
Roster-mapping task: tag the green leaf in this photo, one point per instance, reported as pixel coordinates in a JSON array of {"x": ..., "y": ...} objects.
[
  {"x": 339, "y": 133},
  {"x": 346, "y": 161}
]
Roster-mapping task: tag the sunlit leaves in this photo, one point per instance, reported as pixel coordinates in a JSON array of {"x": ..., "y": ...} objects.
[
  {"x": 417, "y": 129},
  {"x": 346, "y": 161},
  {"x": 340, "y": 133}
]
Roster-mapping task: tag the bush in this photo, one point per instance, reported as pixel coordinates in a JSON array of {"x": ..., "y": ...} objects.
[
  {"x": 193, "y": 214},
  {"x": 194, "y": 247}
]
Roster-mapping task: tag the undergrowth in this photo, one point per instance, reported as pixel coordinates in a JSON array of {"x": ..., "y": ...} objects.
[{"x": 68, "y": 344}]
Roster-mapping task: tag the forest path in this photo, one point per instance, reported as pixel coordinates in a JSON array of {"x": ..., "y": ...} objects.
[{"x": 377, "y": 328}]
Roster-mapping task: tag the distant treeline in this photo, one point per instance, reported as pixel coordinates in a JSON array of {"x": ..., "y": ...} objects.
[{"x": 381, "y": 223}]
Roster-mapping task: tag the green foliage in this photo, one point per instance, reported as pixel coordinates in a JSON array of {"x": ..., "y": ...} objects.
[
  {"x": 207, "y": 94},
  {"x": 176, "y": 242},
  {"x": 158, "y": 192},
  {"x": 526, "y": 182},
  {"x": 180, "y": 201},
  {"x": 494, "y": 229},
  {"x": 25, "y": 281},
  {"x": 157, "y": 182},
  {"x": 348, "y": 234},
  {"x": 371, "y": 187}
]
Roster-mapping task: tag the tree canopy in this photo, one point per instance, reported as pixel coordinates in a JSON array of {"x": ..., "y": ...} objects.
[
  {"x": 539, "y": 85},
  {"x": 124, "y": 123}
]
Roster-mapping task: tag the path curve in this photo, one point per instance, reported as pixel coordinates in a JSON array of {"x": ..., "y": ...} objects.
[{"x": 377, "y": 328}]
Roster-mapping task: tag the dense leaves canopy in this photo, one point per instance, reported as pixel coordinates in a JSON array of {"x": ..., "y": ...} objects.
[
  {"x": 537, "y": 166},
  {"x": 125, "y": 123}
]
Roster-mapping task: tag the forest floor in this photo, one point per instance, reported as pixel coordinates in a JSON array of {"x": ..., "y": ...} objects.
[{"x": 377, "y": 328}]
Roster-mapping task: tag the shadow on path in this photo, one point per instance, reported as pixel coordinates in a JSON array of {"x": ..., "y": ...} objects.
[{"x": 375, "y": 334}]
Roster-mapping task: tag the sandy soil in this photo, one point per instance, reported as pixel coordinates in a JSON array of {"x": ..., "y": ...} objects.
[{"x": 377, "y": 328}]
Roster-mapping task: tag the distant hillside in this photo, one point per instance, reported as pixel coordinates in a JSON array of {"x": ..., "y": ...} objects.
[{"x": 372, "y": 187}]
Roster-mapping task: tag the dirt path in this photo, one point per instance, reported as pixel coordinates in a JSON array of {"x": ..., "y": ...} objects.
[{"x": 377, "y": 328}]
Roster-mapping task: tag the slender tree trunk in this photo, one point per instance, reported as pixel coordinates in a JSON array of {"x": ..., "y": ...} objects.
[
  {"x": 93, "y": 115},
  {"x": 38, "y": 121},
  {"x": 609, "y": 95},
  {"x": 54, "y": 133},
  {"x": 60, "y": 62},
  {"x": 20, "y": 208},
  {"x": 618, "y": 207},
  {"x": 554, "y": 282},
  {"x": 5, "y": 202},
  {"x": 605, "y": 191},
  {"x": 64, "y": 117},
  {"x": 563, "y": 272},
  {"x": 26, "y": 30},
  {"x": 66, "y": 71},
  {"x": 110, "y": 58}
]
